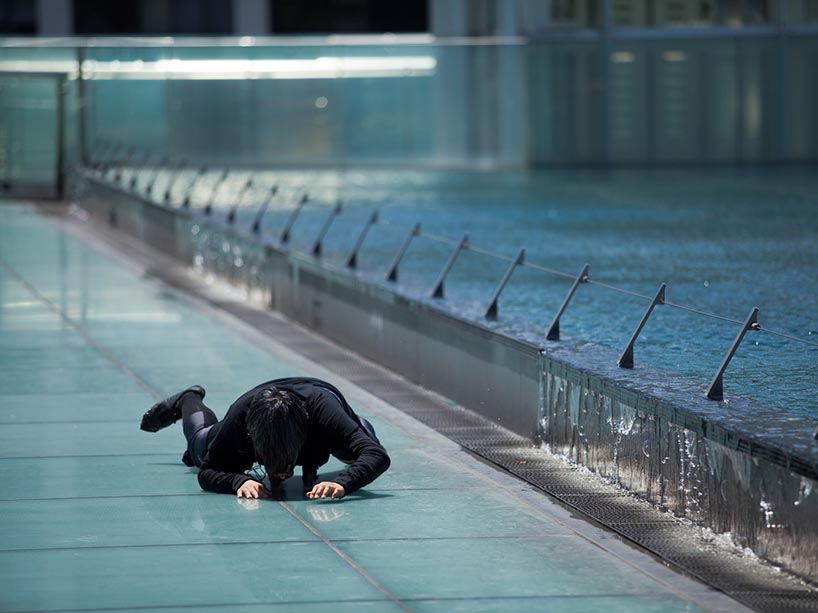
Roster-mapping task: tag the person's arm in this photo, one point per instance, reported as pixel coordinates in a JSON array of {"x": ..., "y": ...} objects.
[
  {"x": 370, "y": 463},
  {"x": 348, "y": 440},
  {"x": 221, "y": 482},
  {"x": 228, "y": 457}
]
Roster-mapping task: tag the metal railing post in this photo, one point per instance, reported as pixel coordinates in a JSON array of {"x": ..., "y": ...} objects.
[
  {"x": 191, "y": 185},
  {"x": 231, "y": 215},
  {"x": 149, "y": 185},
  {"x": 554, "y": 329},
  {"x": 352, "y": 258},
  {"x": 222, "y": 178},
  {"x": 626, "y": 359},
  {"x": 263, "y": 209},
  {"x": 135, "y": 173},
  {"x": 179, "y": 168},
  {"x": 317, "y": 245},
  {"x": 285, "y": 233},
  {"x": 716, "y": 389},
  {"x": 392, "y": 272},
  {"x": 491, "y": 309},
  {"x": 437, "y": 290},
  {"x": 130, "y": 153}
]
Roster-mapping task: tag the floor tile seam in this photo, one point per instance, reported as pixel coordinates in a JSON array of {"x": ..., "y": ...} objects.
[
  {"x": 80, "y": 330},
  {"x": 349, "y": 561},
  {"x": 86, "y": 455},
  {"x": 481, "y": 537},
  {"x": 18, "y": 550},
  {"x": 118, "y": 497},
  {"x": 65, "y": 422},
  {"x": 317, "y": 539},
  {"x": 524, "y": 597},
  {"x": 99, "y": 455},
  {"x": 205, "y": 493},
  {"x": 441, "y": 488},
  {"x": 202, "y": 606}
]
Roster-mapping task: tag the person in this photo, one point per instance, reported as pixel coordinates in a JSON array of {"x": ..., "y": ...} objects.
[{"x": 279, "y": 424}]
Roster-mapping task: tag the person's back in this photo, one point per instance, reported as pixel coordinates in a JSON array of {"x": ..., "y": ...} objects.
[{"x": 279, "y": 424}]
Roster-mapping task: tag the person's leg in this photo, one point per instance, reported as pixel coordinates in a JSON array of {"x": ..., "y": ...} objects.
[
  {"x": 168, "y": 411},
  {"x": 369, "y": 429},
  {"x": 197, "y": 420}
]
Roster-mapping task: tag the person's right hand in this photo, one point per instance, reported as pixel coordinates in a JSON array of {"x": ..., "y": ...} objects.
[{"x": 253, "y": 489}]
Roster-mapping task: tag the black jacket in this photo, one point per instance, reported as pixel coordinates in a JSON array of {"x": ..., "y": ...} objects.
[{"x": 333, "y": 428}]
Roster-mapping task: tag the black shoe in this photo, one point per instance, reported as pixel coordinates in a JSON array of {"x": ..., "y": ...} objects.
[
  {"x": 186, "y": 459},
  {"x": 166, "y": 412}
]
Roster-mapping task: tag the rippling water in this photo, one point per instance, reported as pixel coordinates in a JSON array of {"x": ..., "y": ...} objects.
[{"x": 723, "y": 240}]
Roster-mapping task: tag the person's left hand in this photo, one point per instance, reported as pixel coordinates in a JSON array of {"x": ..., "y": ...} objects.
[{"x": 327, "y": 489}]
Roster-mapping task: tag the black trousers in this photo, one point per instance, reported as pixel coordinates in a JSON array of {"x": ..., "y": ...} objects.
[{"x": 197, "y": 422}]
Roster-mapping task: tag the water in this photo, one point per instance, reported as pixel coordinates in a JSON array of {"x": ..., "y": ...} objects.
[{"x": 723, "y": 240}]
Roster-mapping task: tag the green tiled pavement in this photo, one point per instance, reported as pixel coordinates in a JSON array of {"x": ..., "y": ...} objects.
[{"x": 95, "y": 514}]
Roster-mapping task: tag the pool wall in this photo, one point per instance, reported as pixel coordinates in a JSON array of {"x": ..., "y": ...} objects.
[{"x": 674, "y": 449}]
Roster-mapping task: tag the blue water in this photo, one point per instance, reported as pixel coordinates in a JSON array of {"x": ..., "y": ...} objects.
[{"x": 723, "y": 240}]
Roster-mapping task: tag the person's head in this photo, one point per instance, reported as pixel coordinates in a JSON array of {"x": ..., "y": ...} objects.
[{"x": 277, "y": 424}]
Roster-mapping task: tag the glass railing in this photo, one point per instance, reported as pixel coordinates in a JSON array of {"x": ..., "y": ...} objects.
[{"x": 32, "y": 136}]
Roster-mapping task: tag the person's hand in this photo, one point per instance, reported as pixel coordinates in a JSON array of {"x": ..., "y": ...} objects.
[
  {"x": 327, "y": 489},
  {"x": 253, "y": 489}
]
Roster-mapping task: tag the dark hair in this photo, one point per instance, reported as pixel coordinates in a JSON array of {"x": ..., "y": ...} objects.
[{"x": 277, "y": 424}]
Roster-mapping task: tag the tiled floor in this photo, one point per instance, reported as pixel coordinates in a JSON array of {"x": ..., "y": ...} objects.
[{"x": 95, "y": 514}]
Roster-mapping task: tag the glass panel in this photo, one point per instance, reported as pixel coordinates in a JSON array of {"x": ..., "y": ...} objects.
[
  {"x": 538, "y": 16},
  {"x": 628, "y": 103},
  {"x": 566, "y": 103},
  {"x": 686, "y": 14},
  {"x": 575, "y": 100},
  {"x": 28, "y": 135},
  {"x": 801, "y": 12}
]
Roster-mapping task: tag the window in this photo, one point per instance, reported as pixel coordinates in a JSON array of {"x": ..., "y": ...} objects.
[{"x": 691, "y": 13}]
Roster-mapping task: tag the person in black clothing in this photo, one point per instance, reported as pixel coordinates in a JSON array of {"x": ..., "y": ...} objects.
[{"x": 279, "y": 424}]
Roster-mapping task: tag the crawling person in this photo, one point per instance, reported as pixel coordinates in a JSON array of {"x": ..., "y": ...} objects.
[{"x": 279, "y": 424}]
